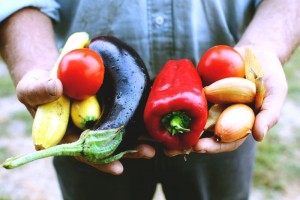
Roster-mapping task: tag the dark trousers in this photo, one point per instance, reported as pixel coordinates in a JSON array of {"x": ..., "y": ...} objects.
[{"x": 201, "y": 177}]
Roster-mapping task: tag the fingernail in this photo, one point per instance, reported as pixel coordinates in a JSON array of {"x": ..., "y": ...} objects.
[
  {"x": 50, "y": 88},
  {"x": 202, "y": 151},
  {"x": 170, "y": 153},
  {"x": 145, "y": 152},
  {"x": 117, "y": 169},
  {"x": 148, "y": 154}
]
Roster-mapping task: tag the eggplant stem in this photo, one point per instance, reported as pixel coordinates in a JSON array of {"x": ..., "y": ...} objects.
[
  {"x": 70, "y": 149},
  {"x": 92, "y": 145}
]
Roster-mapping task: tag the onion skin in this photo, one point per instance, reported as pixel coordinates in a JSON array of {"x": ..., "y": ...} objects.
[
  {"x": 231, "y": 90},
  {"x": 213, "y": 114},
  {"x": 234, "y": 123}
]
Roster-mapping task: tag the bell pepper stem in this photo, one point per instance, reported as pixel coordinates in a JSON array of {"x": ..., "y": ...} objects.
[{"x": 176, "y": 122}]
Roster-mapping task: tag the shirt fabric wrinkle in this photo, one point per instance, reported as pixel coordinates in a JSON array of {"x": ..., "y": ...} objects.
[
  {"x": 49, "y": 7},
  {"x": 161, "y": 34},
  {"x": 157, "y": 30}
]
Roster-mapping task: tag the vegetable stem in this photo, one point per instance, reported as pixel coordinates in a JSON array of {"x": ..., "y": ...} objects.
[
  {"x": 176, "y": 122},
  {"x": 70, "y": 149},
  {"x": 96, "y": 146}
]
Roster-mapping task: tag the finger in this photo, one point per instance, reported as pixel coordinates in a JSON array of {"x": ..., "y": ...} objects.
[
  {"x": 115, "y": 168},
  {"x": 39, "y": 91},
  {"x": 31, "y": 110},
  {"x": 267, "y": 117},
  {"x": 72, "y": 134},
  {"x": 272, "y": 105},
  {"x": 174, "y": 152},
  {"x": 146, "y": 138},
  {"x": 37, "y": 88},
  {"x": 210, "y": 145},
  {"x": 143, "y": 151}
]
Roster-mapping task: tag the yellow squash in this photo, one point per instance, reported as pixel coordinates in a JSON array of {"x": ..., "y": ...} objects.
[{"x": 85, "y": 113}]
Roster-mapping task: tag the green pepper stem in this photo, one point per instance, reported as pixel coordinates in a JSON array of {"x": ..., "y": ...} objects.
[
  {"x": 176, "y": 122},
  {"x": 70, "y": 149}
]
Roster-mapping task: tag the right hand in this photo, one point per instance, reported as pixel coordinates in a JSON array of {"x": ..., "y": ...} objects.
[{"x": 37, "y": 88}]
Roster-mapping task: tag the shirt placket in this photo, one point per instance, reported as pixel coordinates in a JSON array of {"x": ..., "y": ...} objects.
[{"x": 160, "y": 32}]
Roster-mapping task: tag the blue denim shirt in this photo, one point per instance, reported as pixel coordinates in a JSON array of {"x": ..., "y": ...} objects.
[{"x": 159, "y": 30}]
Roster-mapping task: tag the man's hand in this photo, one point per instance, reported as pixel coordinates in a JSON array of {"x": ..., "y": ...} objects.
[
  {"x": 276, "y": 91},
  {"x": 36, "y": 88},
  {"x": 116, "y": 167}
]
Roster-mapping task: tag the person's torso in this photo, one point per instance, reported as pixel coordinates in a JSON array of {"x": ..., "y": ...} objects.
[{"x": 159, "y": 30}]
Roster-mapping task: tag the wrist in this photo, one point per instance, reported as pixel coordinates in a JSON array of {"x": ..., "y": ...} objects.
[
  {"x": 259, "y": 51},
  {"x": 274, "y": 29},
  {"x": 20, "y": 69}
]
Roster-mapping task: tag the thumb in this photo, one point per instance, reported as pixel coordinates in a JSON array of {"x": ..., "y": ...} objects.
[
  {"x": 268, "y": 116},
  {"x": 271, "y": 108},
  {"x": 36, "y": 88}
]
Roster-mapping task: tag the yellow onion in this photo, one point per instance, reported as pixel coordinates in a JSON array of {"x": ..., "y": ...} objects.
[
  {"x": 234, "y": 123},
  {"x": 231, "y": 90}
]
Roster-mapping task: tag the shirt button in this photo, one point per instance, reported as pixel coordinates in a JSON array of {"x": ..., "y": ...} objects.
[{"x": 159, "y": 20}]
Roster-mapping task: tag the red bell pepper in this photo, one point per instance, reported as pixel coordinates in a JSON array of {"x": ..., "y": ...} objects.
[{"x": 176, "y": 109}]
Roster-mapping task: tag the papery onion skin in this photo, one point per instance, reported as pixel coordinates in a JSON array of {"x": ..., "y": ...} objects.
[{"x": 234, "y": 123}]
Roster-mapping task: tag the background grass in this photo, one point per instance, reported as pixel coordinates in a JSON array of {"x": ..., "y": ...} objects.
[
  {"x": 278, "y": 155},
  {"x": 7, "y": 87}
]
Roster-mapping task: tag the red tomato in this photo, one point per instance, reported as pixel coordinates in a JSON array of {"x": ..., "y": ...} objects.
[
  {"x": 81, "y": 72},
  {"x": 220, "y": 62}
]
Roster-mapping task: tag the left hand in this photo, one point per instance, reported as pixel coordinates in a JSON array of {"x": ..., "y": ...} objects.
[{"x": 276, "y": 92}]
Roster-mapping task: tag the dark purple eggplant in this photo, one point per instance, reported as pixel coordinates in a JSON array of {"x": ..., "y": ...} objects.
[{"x": 125, "y": 88}]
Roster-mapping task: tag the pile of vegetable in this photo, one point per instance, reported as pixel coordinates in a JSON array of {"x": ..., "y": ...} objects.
[
  {"x": 176, "y": 110},
  {"x": 235, "y": 91},
  {"x": 235, "y": 95},
  {"x": 122, "y": 94},
  {"x": 107, "y": 95}
]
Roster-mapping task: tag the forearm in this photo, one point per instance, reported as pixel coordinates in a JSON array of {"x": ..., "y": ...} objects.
[
  {"x": 274, "y": 28},
  {"x": 27, "y": 42}
]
